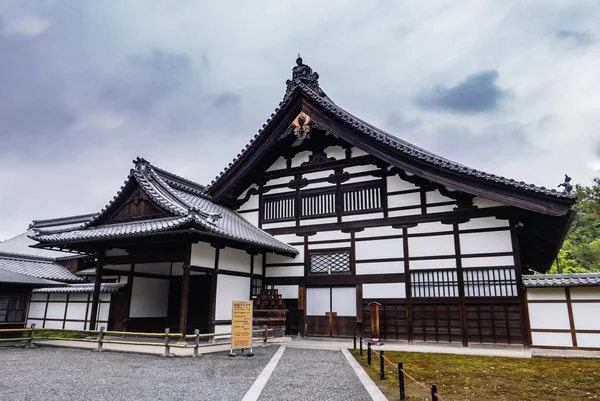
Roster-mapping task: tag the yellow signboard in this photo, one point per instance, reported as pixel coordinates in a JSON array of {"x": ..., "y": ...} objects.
[{"x": 241, "y": 325}]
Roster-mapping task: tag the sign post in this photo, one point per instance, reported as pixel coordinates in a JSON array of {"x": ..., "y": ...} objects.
[
  {"x": 241, "y": 327},
  {"x": 374, "y": 309}
]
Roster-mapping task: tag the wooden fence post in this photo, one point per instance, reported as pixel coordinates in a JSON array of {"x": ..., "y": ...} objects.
[
  {"x": 434, "y": 396},
  {"x": 31, "y": 336},
  {"x": 265, "y": 339},
  {"x": 100, "y": 339},
  {"x": 381, "y": 366},
  {"x": 361, "y": 352},
  {"x": 196, "y": 342},
  {"x": 401, "y": 381},
  {"x": 167, "y": 347},
  {"x": 369, "y": 353}
]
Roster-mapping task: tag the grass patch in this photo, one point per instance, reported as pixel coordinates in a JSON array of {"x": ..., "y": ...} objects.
[
  {"x": 59, "y": 334},
  {"x": 471, "y": 378}
]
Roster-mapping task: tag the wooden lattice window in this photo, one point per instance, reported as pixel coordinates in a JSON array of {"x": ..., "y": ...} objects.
[
  {"x": 318, "y": 204},
  {"x": 256, "y": 286},
  {"x": 12, "y": 308},
  {"x": 278, "y": 208},
  {"x": 490, "y": 282},
  {"x": 361, "y": 197},
  {"x": 434, "y": 283},
  {"x": 330, "y": 262}
]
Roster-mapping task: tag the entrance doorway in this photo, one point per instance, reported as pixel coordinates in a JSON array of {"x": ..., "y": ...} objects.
[{"x": 331, "y": 311}]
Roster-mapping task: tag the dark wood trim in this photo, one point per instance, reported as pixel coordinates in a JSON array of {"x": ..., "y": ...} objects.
[
  {"x": 337, "y": 279},
  {"x": 185, "y": 293},
  {"x": 46, "y": 310},
  {"x": 407, "y": 281},
  {"x": 66, "y": 310},
  {"x": 423, "y": 198},
  {"x": 571, "y": 331},
  {"x": 96, "y": 295},
  {"x": 528, "y": 328},
  {"x": 130, "y": 292},
  {"x": 461, "y": 287},
  {"x": 567, "y": 348},
  {"x": 558, "y": 301},
  {"x": 519, "y": 279},
  {"x": 384, "y": 192},
  {"x": 222, "y": 322},
  {"x": 112, "y": 272},
  {"x": 212, "y": 307},
  {"x": 359, "y": 303},
  {"x": 382, "y": 260},
  {"x": 353, "y": 252},
  {"x": 261, "y": 206},
  {"x": 145, "y": 258},
  {"x": 87, "y": 308},
  {"x": 248, "y": 211},
  {"x": 306, "y": 256},
  {"x": 224, "y": 272},
  {"x": 404, "y": 192},
  {"x": 571, "y": 318},
  {"x": 251, "y": 273}
]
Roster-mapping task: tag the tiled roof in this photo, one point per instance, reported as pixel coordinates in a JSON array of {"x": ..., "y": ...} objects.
[
  {"x": 107, "y": 288},
  {"x": 21, "y": 246},
  {"x": 188, "y": 203},
  {"x": 7, "y": 276},
  {"x": 36, "y": 268},
  {"x": 309, "y": 86},
  {"x": 562, "y": 280}
]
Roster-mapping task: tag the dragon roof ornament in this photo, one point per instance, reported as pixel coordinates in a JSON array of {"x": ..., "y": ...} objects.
[{"x": 303, "y": 74}]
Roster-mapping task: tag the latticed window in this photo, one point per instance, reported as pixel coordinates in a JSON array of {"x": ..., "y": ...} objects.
[
  {"x": 256, "y": 286},
  {"x": 12, "y": 308},
  {"x": 328, "y": 262}
]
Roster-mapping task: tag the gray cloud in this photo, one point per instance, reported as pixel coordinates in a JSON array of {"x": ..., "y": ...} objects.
[
  {"x": 577, "y": 38},
  {"x": 478, "y": 93}
]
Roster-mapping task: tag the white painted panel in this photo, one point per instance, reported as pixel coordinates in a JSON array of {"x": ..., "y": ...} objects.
[
  {"x": 588, "y": 340},
  {"x": 203, "y": 255},
  {"x": 104, "y": 297},
  {"x": 285, "y": 271},
  {"x": 54, "y": 324},
  {"x": 316, "y": 175},
  {"x": 483, "y": 203},
  {"x": 343, "y": 301},
  {"x": 329, "y": 246},
  {"x": 368, "y": 216},
  {"x": 412, "y": 199},
  {"x": 433, "y": 227},
  {"x": 79, "y": 297},
  {"x": 377, "y": 232},
  {"x": 432, "y": 264},
  {"x": 546, "y": 293},
  {"x": 440, "y": 209},
  {"x": 552, "y": 339},
  {"x": 585, "y": 293},
  {"x": 38, "y": 323},
  {"x": 327, "y": 235},
  {"x": 586, "y": 315},
  {"x": 288, "y": 238},
  {"x": 288, "y": 291},
  {"x": 36, "y": 310},
  {"x": 280, "y": 191},
  {"x": 149, "y": 297},
  {"x": 234, "y": 259},
  {"x": 430, "y": 246},
  {"x": 251, "y": 217},
  {"x": 362, "y": 169},
  {"x": 38, "y": 297},
  {"x": 380, "y": 268},
  {"x": 379, "y": 249},
  {"x": 278, "y": 181},
  {"x": 251, "y": 203},
  {"x": 490, "y": 261},
  {"x": 280, "y": 259},
  {"x": 498, "y": 241},
  {"x": 483, "y": 222},
  {"x": 317, "y": 301},
  {"x": 258, "y": 264},
  {"x": 336, "y": 152},
  {"x": 223, "y": 328},
  {"x": 56, "y": 310},
  {"x": 356, "y": 152},
  {"x": 322, "y": 184},
  {"x": 74, "y": 325},
  {"x": 300, "y": 158},
  {"x": 155, "y": 268},
  {"x": 103, "y": 311},
  {"x": 384, "y": 290},
  {"x": 58, "y": 297},
  {"x": 436, "y": 197},
  {"x": 278, "y": 165},
  {"x": 395, "y": 183},
  {"x": 77, "y": 311},
  {"x": 229, "y": 289},
  {"x": 362, "y": 178},
  {"x": 310, "y": 222},
  {"x": 407, "y": 212},
  {"x": 549, "y": 316},
  {"x": 280, "y": 224}
]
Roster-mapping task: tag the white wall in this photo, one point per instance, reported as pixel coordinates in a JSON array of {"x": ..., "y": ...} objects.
[
  {"x": 203, "y": 255},
  {"x": 229, "y": 289},
  {"x": 76, "y": 309},
  {"x": 384, "y": 290},
  {"x": 149, "y": 297},
  {"x": 234, "y": 259}
]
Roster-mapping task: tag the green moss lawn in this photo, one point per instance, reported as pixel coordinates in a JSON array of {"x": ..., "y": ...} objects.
[{"x": 475, "y": 378}]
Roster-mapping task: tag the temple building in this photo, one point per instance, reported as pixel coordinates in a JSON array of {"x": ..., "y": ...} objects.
[{"x": 335, "y": 214}]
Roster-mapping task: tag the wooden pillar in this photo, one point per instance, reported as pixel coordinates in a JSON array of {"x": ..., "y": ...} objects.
[
  {"x": 461, "y": 287},
  {"x": 519, "y": 284},
  {"x": 407, "y": 283},
  {"x": 185, "y": 289},
  {"x": 251, "y": 273},
  {"x": 129, "y": 292},
  {"x": 96, "y": 296},
  {"x": 571, "y": 319},
  {"x": 212, "y": 307}
]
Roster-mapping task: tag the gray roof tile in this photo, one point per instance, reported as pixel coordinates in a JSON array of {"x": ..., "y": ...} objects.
[
  {"x": 7, "y": 276},
  {"x": 561, "y": 280},
  {"x": 107, "y": 288},
  {"x": 37, "y": 268}
]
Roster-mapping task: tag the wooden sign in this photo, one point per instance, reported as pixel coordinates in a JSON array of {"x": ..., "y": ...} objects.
[
  {"x": 241, "y": 324},
  {"x": 374, "y": 309}
]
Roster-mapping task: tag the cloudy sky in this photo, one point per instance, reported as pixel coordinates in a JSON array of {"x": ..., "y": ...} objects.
[{"x": 510, "y": 87}]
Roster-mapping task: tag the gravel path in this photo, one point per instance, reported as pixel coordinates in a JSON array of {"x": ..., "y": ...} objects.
[
  {"x": 309, "y": 374},
  {"x": 69, "y": 374}
]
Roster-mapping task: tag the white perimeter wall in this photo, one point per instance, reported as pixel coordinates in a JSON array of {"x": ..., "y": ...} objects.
[{"x": 49, "y": 312}]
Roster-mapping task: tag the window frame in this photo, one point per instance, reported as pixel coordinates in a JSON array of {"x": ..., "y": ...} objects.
[{"x": 350, "y": 271}]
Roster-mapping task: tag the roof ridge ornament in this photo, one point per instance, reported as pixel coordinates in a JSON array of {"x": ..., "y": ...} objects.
[
  {"x": 303, "y": 74},
  {"x": 211, "y": 218},
  {"x": 568, "y": 187}
]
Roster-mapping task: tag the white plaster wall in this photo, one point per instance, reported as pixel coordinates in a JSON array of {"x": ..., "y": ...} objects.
[
  {"x": 116, "y": 252},
  {"x": 356, "y": 152},
  {"x": 322, "y": 184},
  {"x": 234, "y": 259},
  {"x": 440, "y": 209},
  {"x": 588, "y": 340},
  {"x": 433, "y": 227},
  {"x": 53, "y": 324},
  {"x": 316, "y": 174},
  {"x": 551, "y": 339},
  {"x": 203, "y": 255},
  {"x": 36, "y": 310},
  {"x": 436, "y": 197},
  {"x": 285, "y": 271},
  {"x": 367, "y": 216},
  {"x": 430, "y": 246},
  {"x": 278, "y": 165},
  {"x": 149, "y": 297},
  {"x": 343, "y": 301},
  {"x": 280, "y": 259},
  {"x": 74, "y": 325},
  {"x": 288, "y": 291},
  {"x": 38, "y": 323},
  {"x": 324, "y": 236},
  {"x": 585, "y": 293},
  {"x": 317, "y": 301},
  {"x": 300, "y": 158},
  {"x": 80, "y": 297},
  {"x": 289, "y": 238},
  {"x": 395, "y": 183},
  {"x": 56, "y": 310},
  {"x": 251, "y": 217},
  {"x": 258, "y": 264},
  {"x": 38, "y": 297},
  {"x": 362, "y": 178},
  {"x": 229, "y": 289},
  {"x": 496, "y": 241},
  {"x": 411, "y": 199},
  {"x": 329, "y": 246},
  {"x": 549, "y": 316},
  {"x": 380, "y": 268},
  {"x": 484, "y": 203},
  {"x": 278, "y": 224},
  {"x": 76, "y": 311},
  {"x": 488, "y": 261},
  {"x": 362, "y": 169},
  {"x": 310, "y": 222},
  {"x": 375, "y": 232},
  {"x": 384, "y": 290},
  {"x": 336, "y": 152},
  {"x": 546, "y": 294},
  {"x": 58, "y": 297},
  {"x": 223, "y": 328},
  {"x": 177, "y": 269},
  {"x": 432, "y": 264},
  {"x": 407, "y": 212},
  {"x": 483, "y": 222},
  {"x": 586, "y": 315},
  {"x": 251, "y": 203},
  {"x": 389, "y": 248}
]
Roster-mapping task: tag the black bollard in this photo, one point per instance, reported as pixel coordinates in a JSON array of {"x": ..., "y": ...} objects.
[
  {"x": 401, "y": 381},
  {"x": 361, "y": 353},
  {"x": 369, "y": 353},
  {"x": 381, "y": 366}
]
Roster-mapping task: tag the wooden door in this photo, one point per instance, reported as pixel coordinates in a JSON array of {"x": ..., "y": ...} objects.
[
  {"x": 331, "y": 311},
  {"x": 118, "y": 311}
]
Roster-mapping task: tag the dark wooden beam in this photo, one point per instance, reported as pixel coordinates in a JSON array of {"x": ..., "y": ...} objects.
[
  {"x": 96, "y": 294},
  {"x": 461, "y": 287},
  {"x": 185, "y": 289}
]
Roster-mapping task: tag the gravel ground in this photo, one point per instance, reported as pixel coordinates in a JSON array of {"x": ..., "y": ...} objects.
[
  {"x": 69, "y": 374},
  {"x": 309, "y": 374}
]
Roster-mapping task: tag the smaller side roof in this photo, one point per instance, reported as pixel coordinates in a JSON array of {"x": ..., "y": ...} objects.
[
  {"x": 561, "y": 280},
  {"x": 105, "y": 288},
  {"x": 39, "y": 268},
  {"x": 7, "y": 276}
]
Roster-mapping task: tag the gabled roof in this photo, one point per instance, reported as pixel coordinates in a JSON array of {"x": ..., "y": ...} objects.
[
  {"x": 187, "y": 204},
  {"x": 36, "y": 267},
  {"x": 7, "y": 276},
  {"x": 304, "y": 88},
  {"x": 561, "y": 280}
]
